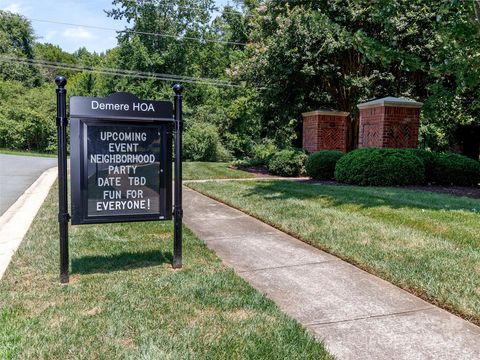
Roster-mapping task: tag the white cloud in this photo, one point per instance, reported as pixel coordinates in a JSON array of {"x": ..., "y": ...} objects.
[
  {"x": 78, "y": 33},
  {"x": 14, "y": 8},
  {"x": 50, "y": 35}
]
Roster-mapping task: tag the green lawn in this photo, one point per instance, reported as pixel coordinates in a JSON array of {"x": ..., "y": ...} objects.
[
  {"x": 126, "y": 302},
  {"x": 192, "y": 170},
  {"x": 195, "y": 170},
  {"x": 26, "y": 153},
  {"x": 425, "y": 242}
]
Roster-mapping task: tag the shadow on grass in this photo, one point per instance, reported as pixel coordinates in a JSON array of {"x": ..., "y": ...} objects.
[
  {"x": 365, "y": 197},
  {"x": 119, "y": 262}
]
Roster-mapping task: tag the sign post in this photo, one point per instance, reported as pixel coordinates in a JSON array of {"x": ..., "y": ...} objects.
[
  {"x": 178, "y": 210},
  {"x": 121, "y": 163},
  {"x": 63, "y": 216}
]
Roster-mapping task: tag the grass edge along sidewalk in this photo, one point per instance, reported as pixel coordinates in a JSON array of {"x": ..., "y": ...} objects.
[
  {"x": 425, "y": 243},
  {"x": 192, "y": 170},
  {"x": 125, "y": 301}
]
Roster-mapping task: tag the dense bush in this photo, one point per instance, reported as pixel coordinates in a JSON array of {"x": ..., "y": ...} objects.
[
  {"x": 288, "y": 162},
  {"x": 27, "y": 117},
  {"x": 383, "y": 167},
  {"x": 201, "y": 142},
  {"x": 454, "y": 169},
  {"x": 321, "y": 165},
  {"x": 428, "y": 158},
  {"x": 262, "y": 153}
]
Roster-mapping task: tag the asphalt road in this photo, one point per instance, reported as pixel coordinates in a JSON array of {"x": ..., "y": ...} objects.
[{"x": 17, "y": 173}]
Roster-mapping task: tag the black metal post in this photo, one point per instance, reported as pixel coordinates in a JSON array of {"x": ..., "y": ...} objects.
[
  {"x": 177, "y": 208},
  {"x": 63, "y": 216}
]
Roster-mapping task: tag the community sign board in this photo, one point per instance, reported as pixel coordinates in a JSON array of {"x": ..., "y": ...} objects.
[{"x": 121, "y": 159}]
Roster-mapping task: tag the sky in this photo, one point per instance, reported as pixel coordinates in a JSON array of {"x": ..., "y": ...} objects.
[{"x": 71, "y": 37}]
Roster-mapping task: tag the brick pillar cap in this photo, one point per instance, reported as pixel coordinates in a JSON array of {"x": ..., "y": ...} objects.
[
  {"x": 391, "y": 101},
  {"x": 325, "y": 112}
]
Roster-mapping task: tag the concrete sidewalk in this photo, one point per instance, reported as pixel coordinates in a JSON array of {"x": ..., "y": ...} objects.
[{"x": 356, "y": 314}]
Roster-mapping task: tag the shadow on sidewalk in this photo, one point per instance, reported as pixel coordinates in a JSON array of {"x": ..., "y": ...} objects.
[{"x": 119, "y": 262}]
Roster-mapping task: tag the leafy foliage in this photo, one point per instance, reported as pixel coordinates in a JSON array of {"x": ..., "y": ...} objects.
[
  {"x": 27, "y": 117},
  {"x": 17, "y": 40},
  {"x": 335, "y": 54},
  {"x": 428, "y": 159},
  {"x": 202, "y": 143},
  {"x": 380, "y": 167},
  {"x": 289, "y": 57},
  {"x": 262, "y": 153},
  {"x": 455, "y": 169},
  {"x": 288, "y": 162},
  {"x": 321, "y": 165}
]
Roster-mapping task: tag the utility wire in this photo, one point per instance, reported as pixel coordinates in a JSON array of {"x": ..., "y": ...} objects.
[
  {"x": 221, "y": 10},
  {"x": 177, "y": 37},
  {"x": 123, "y": 71},
  {"x": 117, "y": 72}
]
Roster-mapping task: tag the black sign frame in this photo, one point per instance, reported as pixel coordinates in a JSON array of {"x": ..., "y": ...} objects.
[
  {"x": 118, "y": 108},
  {"x": 79, "y": 177}
]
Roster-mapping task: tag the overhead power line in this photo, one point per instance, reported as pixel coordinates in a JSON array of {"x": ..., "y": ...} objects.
[
  {"x": 221, "y": 10},
  {"x": 123, "y": 71},
  {"x": 118, "y": 72},
  {"x": 177, "y": 37}
]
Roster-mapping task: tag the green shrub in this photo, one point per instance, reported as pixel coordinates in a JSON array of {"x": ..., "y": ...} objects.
[
  {"x": 201, "y": 142},
  {"x": 455, "y": 169},
  {"x": 288, "y": 162},
  {"x": 26, "y": 117},
  {"x": 262, "y": 153},
  {"x": 223, "y": 154},
  {"x": 428, "y": 158},
  {"x": 380, "y": 167},
  {"x": 321, "y": 165}
]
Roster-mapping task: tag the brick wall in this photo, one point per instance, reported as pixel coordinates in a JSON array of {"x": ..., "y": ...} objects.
[
  {"x": 325, "y": 130},
  {"x": 389, "y": 123}
]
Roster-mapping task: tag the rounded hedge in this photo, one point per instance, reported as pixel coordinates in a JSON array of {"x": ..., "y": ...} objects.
[
  {"x": 321, "y": 165},
  {"x": 428, "y": 158},
  {"x": 287, "y": 162},
  {"x": 380, "y": 167},
  {"x": 454, "y": 169}
]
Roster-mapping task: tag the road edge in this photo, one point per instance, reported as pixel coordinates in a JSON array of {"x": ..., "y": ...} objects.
[{"x": 16, "y": 220}]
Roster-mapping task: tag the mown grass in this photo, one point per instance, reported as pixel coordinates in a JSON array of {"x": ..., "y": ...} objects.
[
  {"x": 192, "y": 170},
  {"x": 195, "y": 170},
  {"x": 26, "y": 153},
  {"x": 427, "y": 243},
  {"x": 126, "y": 302}
]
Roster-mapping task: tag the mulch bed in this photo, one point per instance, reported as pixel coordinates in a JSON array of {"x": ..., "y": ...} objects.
[
  {"x": 258, "y": 171},
  {"x": 471, "y": 192}
]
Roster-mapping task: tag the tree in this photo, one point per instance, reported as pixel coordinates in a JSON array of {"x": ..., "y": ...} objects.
[
  {"x": 451, "y": 113},
  {"x": 16, "y": 41},
  {"x": 52, "y": 53},
  {"x": 313, "y": 54},
  {"x": 190, "y": 44}
]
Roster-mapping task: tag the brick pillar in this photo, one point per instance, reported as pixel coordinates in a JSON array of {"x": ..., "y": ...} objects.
[
  {"x": 389, "y": 122},
  {"x": 325, "y": 130}
]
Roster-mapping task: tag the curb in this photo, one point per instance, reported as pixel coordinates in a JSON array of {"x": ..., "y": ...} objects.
[{"x": 16, "y": 221}]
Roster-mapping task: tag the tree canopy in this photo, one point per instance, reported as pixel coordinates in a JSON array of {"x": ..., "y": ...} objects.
[{"x": 284, "y": 58}]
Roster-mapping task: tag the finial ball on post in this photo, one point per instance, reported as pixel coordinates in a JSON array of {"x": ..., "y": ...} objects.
[
  {"x": 178, "y": 88},
  {"x": 61, "y": 81}
]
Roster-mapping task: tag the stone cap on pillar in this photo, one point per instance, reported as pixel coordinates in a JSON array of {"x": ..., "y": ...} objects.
[
  {"x": 330, "y": 112},
  {"x": 391, "y": 101}
]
